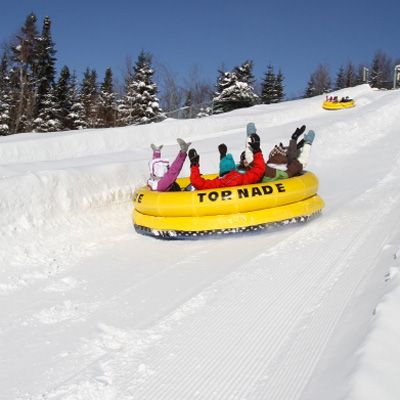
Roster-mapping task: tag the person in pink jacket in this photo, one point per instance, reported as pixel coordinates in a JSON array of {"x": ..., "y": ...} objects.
[{"x": 162, "y": 174}]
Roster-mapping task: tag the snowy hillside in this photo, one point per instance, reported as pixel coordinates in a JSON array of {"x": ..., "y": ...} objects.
[{"x": 92, "y": 310}]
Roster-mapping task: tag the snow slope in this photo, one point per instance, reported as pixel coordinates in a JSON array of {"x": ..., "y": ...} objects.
[{"x": 91, "y": 310}]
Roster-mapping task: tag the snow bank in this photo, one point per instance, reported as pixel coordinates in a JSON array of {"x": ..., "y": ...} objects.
[{"x": 377, "y": 376}]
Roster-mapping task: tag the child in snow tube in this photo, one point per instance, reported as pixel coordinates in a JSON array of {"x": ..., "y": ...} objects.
[{"x": 162, "y": 175}]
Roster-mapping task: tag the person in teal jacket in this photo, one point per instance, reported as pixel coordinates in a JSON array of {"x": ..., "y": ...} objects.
[{"x": 226, "y": 161}]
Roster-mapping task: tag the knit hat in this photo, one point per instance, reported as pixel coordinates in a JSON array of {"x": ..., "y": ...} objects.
[
  {"x": 156, "y": 150},
  {"x": 251, "y": 128},
  {"x": 278, "y": 155}
]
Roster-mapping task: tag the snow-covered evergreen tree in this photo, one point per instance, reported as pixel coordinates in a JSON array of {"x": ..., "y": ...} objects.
[
  {"x": 76, "y": 114},
  {"x": 140, "y": 105},
  {"x": 48, "y": 117},
  {"x": 107, "y": 102},
  {"x": 5, "y": 98},
  {"x": 22, "y": 75},
  {"x": 45, "y": 74},
  {"x": 279, "y": 88},
  {"x": 244, "y": 72},
  {"x": 268, "y": 86},
  {"x": 63, "y": 98},
  {"x": 89, "y": 97},
  {"x": 204, "y": 112},
  {"x": 233, "y": 93}
]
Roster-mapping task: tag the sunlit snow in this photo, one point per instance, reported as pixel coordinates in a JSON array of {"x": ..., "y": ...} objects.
[{"x": 92, "y": 310}]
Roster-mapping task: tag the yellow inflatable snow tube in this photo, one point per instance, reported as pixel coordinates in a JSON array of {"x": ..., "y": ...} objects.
[
  {"x": 224, "y": 210},
  {"x": 338, "y": 105}
]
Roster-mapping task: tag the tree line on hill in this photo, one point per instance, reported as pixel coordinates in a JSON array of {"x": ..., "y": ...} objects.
[
  {"x": 378, "y": 75},
  {"x": 34, "y": 99}
]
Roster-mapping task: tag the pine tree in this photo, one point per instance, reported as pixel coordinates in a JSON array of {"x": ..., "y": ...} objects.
[
  {"x": 45, "y": 73},
  {"x": 48, "y": 118},
  {"x": 351, "y": 77},
  {"x": 279, "y": 88},
  {"x": 310, "y": 90},
  {"x": 233, "y": 93},
  {"x": 126, "y": 104},
  {"x": 22, "y": 75},
  {"x": 63, "y": 98},
  {"x": 188, "y": 104},
  {"x": 340, "y": 79},
  {"x": 5, "y": 98},
  {"x": 89, "y": 97},
  {"x": 107, "y": 103},
  {"x": 381, "y": 70},
  {"x": 376, "y": 71},
  {"x": 268, "y": 86},
  {"x": 244, "y": 72},
  {"x": 319, "y": 83},
  {"x": 140, "y": 104},
  {"x": 76, "y": 115}
]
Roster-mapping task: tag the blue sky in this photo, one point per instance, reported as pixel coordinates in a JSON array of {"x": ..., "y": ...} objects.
[{"x": 292, "y": 35}]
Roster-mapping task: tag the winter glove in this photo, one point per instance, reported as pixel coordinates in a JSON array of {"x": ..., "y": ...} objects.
[
  {"x": 298, "y": 132},
  {"x": 183, "y": 145},
  {"x": 156, "y": 148},
  {"x": 254, "y": 143},
  {"x": 193, "y": 157},
  {"x": 222, "y": 150}
]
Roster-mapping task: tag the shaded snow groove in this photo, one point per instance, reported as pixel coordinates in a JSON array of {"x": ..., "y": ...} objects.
[
  {"x": 272, "y": 373},
  {"x": 168, "y": 362}
]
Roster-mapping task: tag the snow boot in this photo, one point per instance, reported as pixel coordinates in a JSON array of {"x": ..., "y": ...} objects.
[
  {"x": 183, "y": 145},
  {"x": 309, "y": 137}
]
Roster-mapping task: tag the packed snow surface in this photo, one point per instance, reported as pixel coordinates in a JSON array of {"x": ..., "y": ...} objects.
[{"x": 92, "y": 310}]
